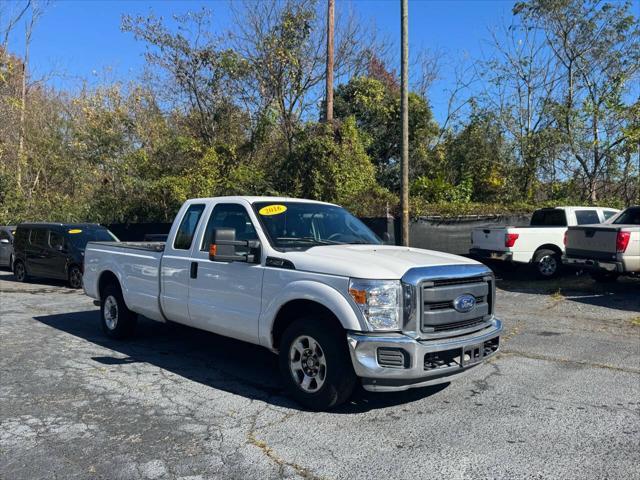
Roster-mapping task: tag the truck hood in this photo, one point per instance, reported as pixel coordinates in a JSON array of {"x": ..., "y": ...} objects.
[{"x": 378, "y": 262}]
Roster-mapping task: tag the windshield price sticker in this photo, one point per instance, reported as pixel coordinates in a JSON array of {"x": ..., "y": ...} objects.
[
  {"x": 272, "y": 210},
  {"x": 75, "y": 230}
]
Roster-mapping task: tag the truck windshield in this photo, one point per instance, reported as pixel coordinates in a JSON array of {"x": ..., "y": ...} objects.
[
  {"x": 301, "y": 225},
  {"x": 631, "y": 216},
  {"x": 80, "y": 237}
]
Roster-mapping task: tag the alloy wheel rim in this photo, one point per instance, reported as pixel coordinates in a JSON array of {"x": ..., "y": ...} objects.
[
  {"x": 307, "y": 363},
  {"x": 75, "y": 278},
  {"x": 548, "y": 265},
  {"x": 19, "y": 271},
  {"x": 110, "y": 312}
]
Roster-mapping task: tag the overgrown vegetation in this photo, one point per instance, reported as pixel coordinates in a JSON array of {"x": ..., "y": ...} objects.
[{"x": 556, "y": 120}]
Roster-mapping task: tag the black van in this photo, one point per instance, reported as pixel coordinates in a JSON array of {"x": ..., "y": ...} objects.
[{"x": 54, "y": 250}]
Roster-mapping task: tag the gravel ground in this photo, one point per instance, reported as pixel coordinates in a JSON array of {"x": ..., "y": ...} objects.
[{"x": 562, "y": 400}]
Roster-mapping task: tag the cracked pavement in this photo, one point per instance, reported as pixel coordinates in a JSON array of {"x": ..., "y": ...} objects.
[{"x": 562, "y": 399}]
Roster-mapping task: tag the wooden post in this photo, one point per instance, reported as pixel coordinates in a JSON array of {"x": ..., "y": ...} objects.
[
  {"x": 329, "y": 86},
  {"x": 404, "y": 109}
]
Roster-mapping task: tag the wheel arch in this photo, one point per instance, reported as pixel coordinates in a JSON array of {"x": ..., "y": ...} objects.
[
  {"x": 547, "y": 246},
  {"x": 295, "y": 309},
  {"x": 107, "y": 277},
  {"x": 303, "y": 298}
]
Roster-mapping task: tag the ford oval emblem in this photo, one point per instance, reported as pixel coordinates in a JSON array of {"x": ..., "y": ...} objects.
[{"x": 464, "y": 303}]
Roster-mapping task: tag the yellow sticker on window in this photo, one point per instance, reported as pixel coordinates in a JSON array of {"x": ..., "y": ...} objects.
[
  {"x": 272, "y": 210},
  {"x": 75, "y": 230}
]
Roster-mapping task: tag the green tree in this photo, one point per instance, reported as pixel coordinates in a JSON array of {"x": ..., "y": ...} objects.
[
  {"x": 376, "y": 108},
  {"x": 330, "y": 163}
]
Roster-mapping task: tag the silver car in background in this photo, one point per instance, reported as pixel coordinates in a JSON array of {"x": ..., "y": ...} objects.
[{"x": 6, "y": 246}]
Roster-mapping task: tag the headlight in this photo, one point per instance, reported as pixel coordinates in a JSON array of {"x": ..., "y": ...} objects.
[{"x": 379, "y": 301}]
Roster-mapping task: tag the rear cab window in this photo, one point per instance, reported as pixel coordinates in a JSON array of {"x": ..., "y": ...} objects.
[
  {"x": 587, "y": 217},
  {"x": 551, "y": 217},
  {"x": 187, "y": 228},
  {"x": 608, "y": 214}
]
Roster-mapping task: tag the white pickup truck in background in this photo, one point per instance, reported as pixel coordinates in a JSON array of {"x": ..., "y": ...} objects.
[
  {"x": 607, "y": 250},
  {"x": 541, "y": 243},
  {"x": 308, "y": 281}
]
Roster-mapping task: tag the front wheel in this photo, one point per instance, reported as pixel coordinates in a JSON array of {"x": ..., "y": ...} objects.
[
  {"x": 117, "y": 320},
  {"x": 75, "y": 277},
  {"x": 19, "y": 271},
  {"x": 315, "y": 364},
  {"x": 547, "y": 263}
]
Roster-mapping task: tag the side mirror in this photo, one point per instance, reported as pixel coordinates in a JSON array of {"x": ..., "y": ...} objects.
[
  {"x": 224, "y": 247},
  {"x": 5, "y": 241}
]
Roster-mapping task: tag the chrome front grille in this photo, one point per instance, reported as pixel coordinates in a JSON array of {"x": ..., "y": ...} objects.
[{"x": 438, "y": 313}]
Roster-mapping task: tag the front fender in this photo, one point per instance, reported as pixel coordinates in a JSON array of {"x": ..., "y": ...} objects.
[{"x": 326, "y": 295}]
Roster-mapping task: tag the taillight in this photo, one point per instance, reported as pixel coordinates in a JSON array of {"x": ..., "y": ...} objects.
[
  {"x": 566, "y": 234},
  {"x": 510, "y": 239},
  {"x": 622, "y": 241}
]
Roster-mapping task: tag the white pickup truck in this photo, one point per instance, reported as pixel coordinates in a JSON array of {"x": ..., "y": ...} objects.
[
  {"x": 541, "y": 243},
  {"x": 308, "y": 281},
  {"x": 607, "y": 250}
]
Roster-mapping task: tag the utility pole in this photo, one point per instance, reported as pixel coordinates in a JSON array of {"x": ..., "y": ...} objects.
[
  {"x": 404, "y": 113},
  {"x": 329, "y": 86}
]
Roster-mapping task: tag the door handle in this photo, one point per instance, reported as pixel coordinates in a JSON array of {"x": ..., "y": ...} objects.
[{"x": 194, "y": 269}]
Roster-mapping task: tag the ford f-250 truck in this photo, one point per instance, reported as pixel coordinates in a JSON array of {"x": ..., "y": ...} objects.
[
  {"x": 607, "y": 250},
  {"x": 541, "y": 244},
  {"x": 310, "y": 282}
]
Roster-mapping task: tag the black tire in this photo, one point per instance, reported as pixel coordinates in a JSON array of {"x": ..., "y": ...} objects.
[
  {"x": 20, "y": 271},
  {"x": 339, "y": 378},
  {"x": 116, "y": 319},
  {"x": 75, "y": 277},
  {"x": 605, "y": 277},
  {"x": 547, "y": 263}
]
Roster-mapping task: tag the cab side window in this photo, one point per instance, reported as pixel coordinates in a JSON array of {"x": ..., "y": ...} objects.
[
  {"x": 608, "y": 214},
  {"x": 188, "y": 226},
  {"x": 229, "y": 215},
  {"x": 587, "y": 217},
  {"x": 56, "y": 241}
]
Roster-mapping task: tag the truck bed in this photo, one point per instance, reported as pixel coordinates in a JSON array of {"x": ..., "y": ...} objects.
[
  {"x": 151, "y": 246},
  {"x": 137, "y": 267}
]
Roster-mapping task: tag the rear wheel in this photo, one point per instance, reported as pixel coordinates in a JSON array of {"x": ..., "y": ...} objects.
[
  {"x": 315, "y": 364},
  {"x": 547, "y": 263},
  {"x": 19, "y": 271},
  {"x": 75, "y": 277},
  {"x": 116, "y": 319}
]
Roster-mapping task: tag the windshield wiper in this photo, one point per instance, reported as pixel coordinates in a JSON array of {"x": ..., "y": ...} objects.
[{"x": 309, "y": 239}]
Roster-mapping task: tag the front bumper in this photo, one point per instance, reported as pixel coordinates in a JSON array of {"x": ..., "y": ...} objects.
[
  {"x": 428, "y": 362},
  {"x": 594, "y": 265},
  {"x": 491, "y": 254}
]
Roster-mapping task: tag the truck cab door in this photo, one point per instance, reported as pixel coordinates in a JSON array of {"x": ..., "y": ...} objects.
[
  {"x": 175, "y": 267},
  {"x": 226, "y": 297}
]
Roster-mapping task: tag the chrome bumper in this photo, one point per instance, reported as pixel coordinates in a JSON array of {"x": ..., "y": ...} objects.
[{"x": 459, "y": 354}]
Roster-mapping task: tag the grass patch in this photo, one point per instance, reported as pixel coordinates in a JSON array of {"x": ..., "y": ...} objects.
[{"x": 635, "y": 321}]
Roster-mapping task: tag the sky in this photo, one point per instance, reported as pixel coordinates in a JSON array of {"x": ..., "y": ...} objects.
[{"x": 82, "y": 39}]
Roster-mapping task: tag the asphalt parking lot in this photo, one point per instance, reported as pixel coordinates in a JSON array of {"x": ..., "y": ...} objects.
[{"x": 562, "y": 399}]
